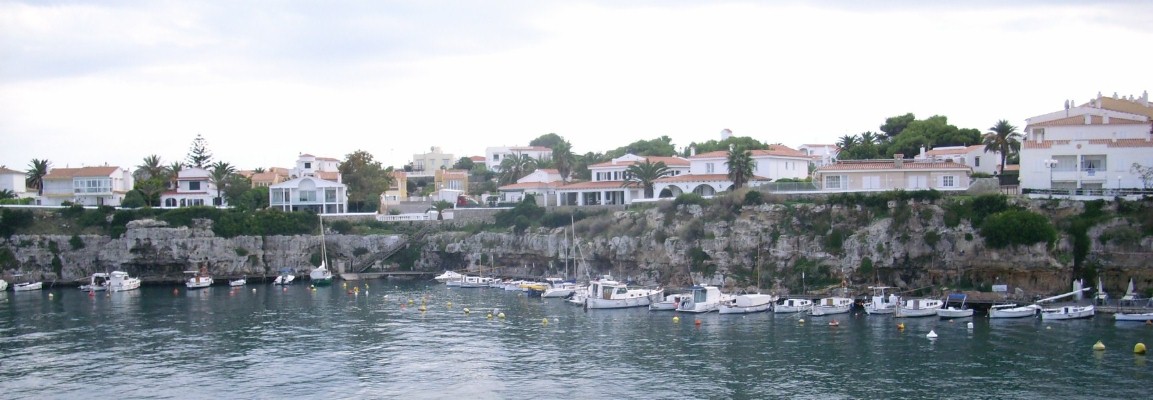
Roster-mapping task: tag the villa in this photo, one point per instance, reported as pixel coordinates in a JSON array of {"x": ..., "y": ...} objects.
[
  {"x": 88, "y": 186},
  {"x": 315, "y": 186}
]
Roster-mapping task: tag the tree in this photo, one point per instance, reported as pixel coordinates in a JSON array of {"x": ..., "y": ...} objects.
[
  {"x": 645, "y": 173},
  {"x": 516, "y": 166},
  {"x": 581, "y": 168},
  {"x": 547, "y": 140},
  {"x": 740, "y": 163},
  {"x": 174, "y": 174},
  {"x": 895, "y": 125},
  {"x": 198, "y": 155},
  {"x": 221, "y": 172},
  {"x": 150, "y": 190},
  {"x": 151, "y": 167},
  {"x": 934, "y": 131},
  {"x": 847, "y": 142},
  {"x": 1144, "y": 173},
  {"x": 439, "y": 207},
  {"x": 258, "y": 170},
  {"x": 1003, "y": 138},
  {"x": 662, "y": 146},
  {"x": 37, "y": 170},
  {"x": 743, "y": 142},
  {"x": 563, "y": 159},
  {"x": 464, "y": 163},
  {"x": 235, "y": 186},
  {"x": 366, "y": 178},
  {"x": 7, "y": 194}
]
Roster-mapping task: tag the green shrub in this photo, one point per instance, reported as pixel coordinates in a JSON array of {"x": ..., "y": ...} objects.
[
  {"x": 1015, "y": 227},
  {"x": 866, "y": 266},
  {"x": 12, "y": 221},
  {"x": 359, "y": 251},
  {"x": 986, "y": 205},
  {"x": 241, "y": 252},
  {"x": 754, "y": 198},
  {"x": 341, "y": 226},
  {"x": 932, "y": 238},
  {"x": 76, "y": 242}
]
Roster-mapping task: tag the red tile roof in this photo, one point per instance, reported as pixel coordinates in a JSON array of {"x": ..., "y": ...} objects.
[
  {"x": 1119, "y": 143},
  {"x": 963, "y": 150},
  {"x": 1080, "y": 120},
  {"x": 4, "y": 170},
  {"x": 598, "y": 185},
  {"x": 69, "y": 173},
  {"x": 669, "y": 161},
  {"x": 774, "y": 150},
  {"x": 704, "y": 178},
  {"x": 529, "y": 185}
]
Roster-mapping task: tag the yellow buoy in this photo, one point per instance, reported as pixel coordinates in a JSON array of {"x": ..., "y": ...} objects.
[
  {"x": 409, "y": 301},
  {"x": 422, "y": 309},
  {"x": 802, "y": 320},
  {"x": 901, "y": 326},
  {"x": 489, "y": 316},
  {"x": 501, "y": 315},
  {"x": 450, "y": 304},
  {"x": 1139, "y": 348},
  {"x": 466, "y": 310},
  {"x": 544, "y": 321},
  {"x": 676, "y": 319},
  {"x": 1099, "y": 346}
]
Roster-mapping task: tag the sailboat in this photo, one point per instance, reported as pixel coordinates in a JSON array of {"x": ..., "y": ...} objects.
[
  {"x": 1130, "y": 293},
  {"x": 321, "y": 276}
]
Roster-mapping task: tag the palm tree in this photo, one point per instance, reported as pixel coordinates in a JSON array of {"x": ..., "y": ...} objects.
[
  {"x": 1003, "y": 138},
  {"x": 258, "y": 170},
  {"x": 7, "y": 194},
  {"x": 516, "y": 166},
  {"x": 645, "y": 173},
  {"x": 564, "y": 159},
  {"x": 151, "y": 167},
  {"x": 439, "y": 207},
  {"x": 37, "y": 170},
  {"x": 847, "y": 142},
  {"x": 740, "y": 164},
  {"x": 173, "y": 171},
  {"x": 221, "y": 171}
]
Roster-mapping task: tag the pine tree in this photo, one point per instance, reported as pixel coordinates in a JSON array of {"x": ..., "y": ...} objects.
[{"x": 198, "y": 155}]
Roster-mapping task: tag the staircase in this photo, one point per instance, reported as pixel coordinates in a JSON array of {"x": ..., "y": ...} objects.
[{"x": 384, "y": 255}]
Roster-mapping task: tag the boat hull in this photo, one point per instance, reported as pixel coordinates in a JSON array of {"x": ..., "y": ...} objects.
[
  {"x": 948, "y": 313},
  {"x": 1142, "y": 317},
  {"x": 634, "y": 300},
  {"x": 27, "y": 287},
  {"x": 1065, "y": 313}
]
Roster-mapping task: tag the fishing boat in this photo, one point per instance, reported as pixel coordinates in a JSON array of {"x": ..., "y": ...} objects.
[
  {"x": 918, "y": 308},
  {"x": 119, "y": 281},
  {"x": 1136, "y": 317},
  {"x": 1067, "y": 312},
  {"x": 534, "y": 289},
  {"x": 1013, "y": 311},
  {"x": 285, "y": 278},
  {"x": 238, "y": 282},
  {"x": 608, "y": 293},
  {"x": 792, "y": 306},
  {"x": 832, "y": 305},
  {"x": 955, "y": 307},
  {"x": 198, "y": 279},
  {"x": 469, "y": 281},
  {"x": 880, "y": 303},
  {"x": 670, "y": 303},
  {"x": 702, "y": 299},
  {"x": 321, "y": 276},
  {"x": 560, "y": 288},
  {"x": 747, "y": 303},
  {"x": 96, "y": 283},
  {"x": 27, "y": 286}
]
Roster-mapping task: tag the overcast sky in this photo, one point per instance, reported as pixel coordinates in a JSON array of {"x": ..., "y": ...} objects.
[{"x": 95, "y": 82}]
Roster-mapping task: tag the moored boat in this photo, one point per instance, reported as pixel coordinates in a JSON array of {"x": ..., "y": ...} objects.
[
  {"x": 949, "y": 310},
  {"x": 97, "y": 282},
  {"x": 119, "y": 281},
  {"x": 747, "y": 303},
  {"x": 198, "y": 279},
  {"x": 448, "y": 276},
  {"x": 918, "y": 308},
  {"x": 285, "y": 278},
  {"x": 881, "y": 303},
  {"x": 832, "y": 305},
  {"x": 670, "y": 303},
  {"x": 793, "y": 306},
  {"x": 28, "y": 286},
  {"x": 3, "y": 285},
  {"x": 1068, "y": 312},
  {"x": 321, "y": 276},
  {"x": 1013, "y": 311},
  {"x": 238, "y": 282},
  {"x": 702, "y": 299},
  {"x": 1135, "y": 317}
]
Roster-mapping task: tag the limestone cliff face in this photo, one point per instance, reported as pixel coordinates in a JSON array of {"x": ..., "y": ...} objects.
[
  {"x": 156, "y": 252},
  {"x": 910, "y": 247}
]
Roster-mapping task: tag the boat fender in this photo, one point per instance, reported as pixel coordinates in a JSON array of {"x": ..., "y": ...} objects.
[
  {"x": 676, "y": 319},
  {"x": 1139, "y": 348},
  {"x": 1099, "y": 346},
  {"x": 697, "y": 322}
]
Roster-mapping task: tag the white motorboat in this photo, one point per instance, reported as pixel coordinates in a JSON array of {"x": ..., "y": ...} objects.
[
  {"x": 238, "y": 282},
  {"x": 1136, "y": 317},
  {"x": 832, "y": 305},
  {"x": 747, "y": 303},
  {"x": 3, "y": 285},
  {"x": 321, "y": 276},
  {"x": 559, "y": 288},
  {"x": 702, "y": 299},
  {"x": 793, "y": 306},
  {"x": 1013, "y": 311},
  {"x": 1067, "y": 312},
  {"x": 448, "y": 276},
  {"x": 28, "y": 286},
  {"x": 285, "y": 278},
  {"x": 579, "y": 296},
  {"x": 918, "y": 308},
  {"x": 607, "y": 293},
  {"x": 880, "y": 303},
  {"x": 119, "y": 281},
  {"x": 469, "y": 281},
  {"x": 198, "y": 279},
  {"x": 97, "y": 282},
  {"x": 949, "y": 311},
  {"x": 670, "y": 303}
]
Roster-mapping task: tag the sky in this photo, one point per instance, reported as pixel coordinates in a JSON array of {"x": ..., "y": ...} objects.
[{"x": 87, "y": 83}]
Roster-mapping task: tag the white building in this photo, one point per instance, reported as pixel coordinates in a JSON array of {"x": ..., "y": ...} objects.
[
  {"x": 610, "y": 182},
  {"x": 425, "y": 164},
  {"x": 974, "y": 156},
  {"x": 13, "y": 181},
  {"x": 88, "y": 186},
  {"x": 493, "y": 156},
  {"x": 1088, "y": 148},
  {"x": 709, "y": 172},
  {"x": 898, "y": 173},
  {"x": 194, "y": 187},
  {"x": 315, "y": 185},
  {"x": 541, "y": 184},
  {"x": 821, "y": 154}
]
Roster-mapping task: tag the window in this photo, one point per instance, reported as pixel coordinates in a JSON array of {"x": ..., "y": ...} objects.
[
  {"x": 194, "y": 185},
  {"x": 92, "y": 185},
  {"x": 307, "y": 165},
  {"x": 709, "y": 168},
  {"x": 277, "y": 196},
  {"x": 947, "y": 181},
  {"x": 307, "y": 196},
  {"x": 170, "y": 202},
  {"x": 330, "y": 195},
  {"x": 977, "y": 161},
  {"x": 833, "y": 182}
]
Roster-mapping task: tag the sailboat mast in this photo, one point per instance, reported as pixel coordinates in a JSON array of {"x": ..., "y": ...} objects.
[{"x": 323, "y": 246}]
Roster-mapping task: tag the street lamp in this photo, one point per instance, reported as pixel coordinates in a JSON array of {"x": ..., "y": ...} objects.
[{"x": 1050, "y": 164}]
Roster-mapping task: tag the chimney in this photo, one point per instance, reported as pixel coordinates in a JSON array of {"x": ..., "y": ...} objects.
[
  {"x": 1145, "y": 98},
  {"x": 898, "y": 160},
  {"x": 922, "y": 155},
  {"x": 692, "y": 151},
  {"x": 1088, "y": 119}
]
